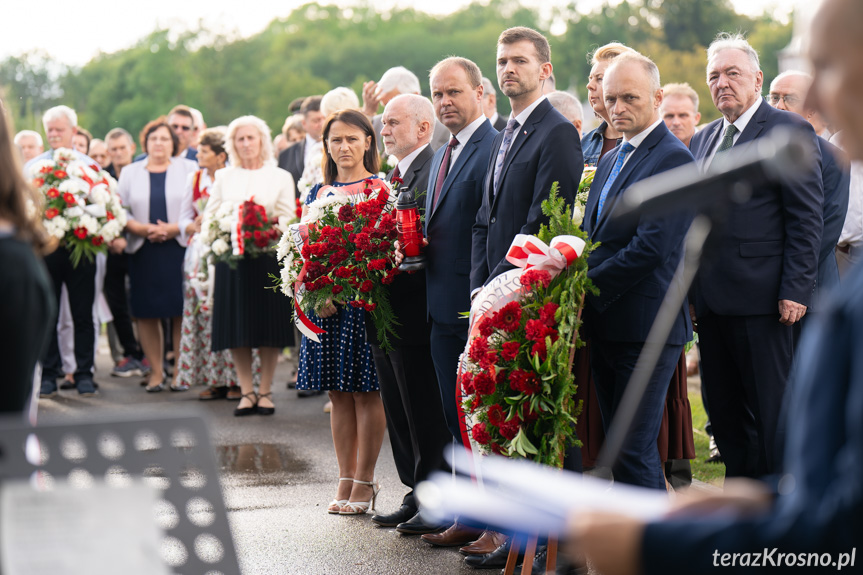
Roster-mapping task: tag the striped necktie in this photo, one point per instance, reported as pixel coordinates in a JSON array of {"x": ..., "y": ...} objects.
[{"x": 511, "y": 126}]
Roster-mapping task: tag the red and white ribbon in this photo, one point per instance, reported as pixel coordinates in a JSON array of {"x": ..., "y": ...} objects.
[{"x": 529, "y": 252}]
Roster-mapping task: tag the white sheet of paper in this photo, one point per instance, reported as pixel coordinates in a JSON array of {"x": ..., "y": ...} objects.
[{"x": 99, "y": 530}]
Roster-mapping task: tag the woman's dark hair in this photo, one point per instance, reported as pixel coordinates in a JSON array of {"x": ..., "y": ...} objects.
[
  {"x": 215, "y": 140},
  {"x": 371, "y": 160},
  {"x": 15, "y": 191},
  {"x": 160, "y": 122}
]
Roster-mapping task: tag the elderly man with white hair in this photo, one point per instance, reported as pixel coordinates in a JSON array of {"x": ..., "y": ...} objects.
[
  {"x": 29, "y": 144},
  {"x": 395, "y": 81},
  {"x": 747, "y": 302},
  {"x": 61, "y": 125},
  {"x": 489, "y": 105},
  {"x": 569, "y": 106}
]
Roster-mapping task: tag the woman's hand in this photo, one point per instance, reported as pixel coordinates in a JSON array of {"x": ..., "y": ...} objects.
[
  {"x": 117, "y": 246},
  {"x": 161, "y": 232},
  {"x": 328, "y": 310}
]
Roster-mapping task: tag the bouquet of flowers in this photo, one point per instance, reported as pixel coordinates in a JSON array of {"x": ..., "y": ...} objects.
[
  {"x": 343, "y": 252},
  {"x": 515, "y": 375},
  {"x": 583, "y": 192},
  {"x": 240, "y": 230},
  {"x": 82, "y": 208}
]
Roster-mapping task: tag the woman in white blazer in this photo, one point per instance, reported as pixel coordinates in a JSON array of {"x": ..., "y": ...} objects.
[{"x": 152, "y": 191}]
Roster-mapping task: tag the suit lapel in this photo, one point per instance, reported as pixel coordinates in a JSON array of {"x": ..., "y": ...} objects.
[
  {"x": 603, "y": 170},
  {"x": 755, "y": 125},
  {"x": 523, "y": 136},
  {"x": 711, "y": 141},
  {"x": 435, "y": 169}
]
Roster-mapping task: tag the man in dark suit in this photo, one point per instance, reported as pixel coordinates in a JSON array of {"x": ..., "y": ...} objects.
[
  {"x": 634, "y": 265},
  {"x": 747, "y": 301},
  {"x": 406, "y": 373},
  {"x": 455, "y": 194},
  {"x": 788, "y": 92},
  {"x": 293, "y": 158},
  {"x": 489, "y": 105},
  {"x": 819, "y": 503},
  {"x": 538, "y": 147}
]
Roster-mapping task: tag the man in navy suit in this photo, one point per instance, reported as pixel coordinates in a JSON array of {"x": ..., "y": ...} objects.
[
  {"x": 453, "y": 200},
  {"x": 538, "y": 147},
  {"x": 293, "y": 158},
  {"x": 634, "y": 265},
  {"x": 788, "y": 92},
  {"x": 409, "y": 388},
  {"x": 748, "y": 300}
]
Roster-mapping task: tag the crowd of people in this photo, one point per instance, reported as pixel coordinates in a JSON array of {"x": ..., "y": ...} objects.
[{"x": 485, "y": 178}]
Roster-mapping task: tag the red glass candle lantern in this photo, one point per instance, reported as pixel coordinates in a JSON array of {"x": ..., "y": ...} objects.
[{"x": 410, "y": 231}]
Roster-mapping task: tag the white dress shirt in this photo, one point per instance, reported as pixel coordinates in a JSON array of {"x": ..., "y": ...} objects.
[
  {"x": 523, "y": 116},
  {"x": 464, "y": 137},
  {"x": 639, "y": 138},
  {"x": 740, "y": 123}
]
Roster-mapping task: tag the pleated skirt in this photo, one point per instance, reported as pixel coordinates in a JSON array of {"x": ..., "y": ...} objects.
[{"x": 246, "y": 313}]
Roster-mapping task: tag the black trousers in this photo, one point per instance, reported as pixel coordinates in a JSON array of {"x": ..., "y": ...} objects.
[
  {"x": 415, "y": 419},
  {"x": 81, "y": 285},
  {"x": 746, "y": 361},
  {"x": 116, "y": 270},
  {"x": 447, "y": 344}
]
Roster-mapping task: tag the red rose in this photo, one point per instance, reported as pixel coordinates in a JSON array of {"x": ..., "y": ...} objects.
[
  {"x": 80, "y": 233},
  {"x": 546, "y": 314},
  {"x": 366, "y": 286},
  {"x": 495, "y": 414},
  {"x": 53, "y": 193},
  {"x": 509, "y": 350},
  {"x": 467, "y": 383},
  {"x": 509, "y": 316},
  {"x": 69, "y": 199},
  {"x": 60, "y": 174},
  {"x": 533, "y": 278},
  {"x": 483, "y": 383},
  {"x": 51, "y": 213},
  {"x": 479, "y": 434},
  {"x": 337, "y": 289},
  {"x": 478, "y": 349},
  {"x": 97, "y": 241},
  {"x": 510, "y": 429}
]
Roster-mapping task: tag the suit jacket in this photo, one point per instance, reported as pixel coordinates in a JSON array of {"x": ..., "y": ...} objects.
[
  {"x": 439, "y": 138},
  {"x": 450, "y": 226},
  {"x": 500, "y": 124},
  {"x": 768, "y": 248},
  {"x": 635, "y": 262},
  {"x": 407, "y": 293},
  {"x": 546, "y": 150},
  {"x": 292, "y": 159},
  {"x": 837, "y": 181},
  {"x": 134, "y": 191}
]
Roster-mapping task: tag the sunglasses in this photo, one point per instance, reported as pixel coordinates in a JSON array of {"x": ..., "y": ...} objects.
[{"x": 184, "y": 128}]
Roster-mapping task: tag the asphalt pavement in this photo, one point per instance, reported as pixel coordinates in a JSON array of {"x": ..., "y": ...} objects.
[{"x": 278, "y": 474}]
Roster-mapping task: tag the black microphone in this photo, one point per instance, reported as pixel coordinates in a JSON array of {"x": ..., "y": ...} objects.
[{"x": 730, "y": 178}]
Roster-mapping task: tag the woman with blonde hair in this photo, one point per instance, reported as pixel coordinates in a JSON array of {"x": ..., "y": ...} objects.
[
  {"x": 246, "y": 313},
  {"x": 604, "y": 138}
]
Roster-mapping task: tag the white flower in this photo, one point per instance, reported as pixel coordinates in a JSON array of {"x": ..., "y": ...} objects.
[
  {"x": 73, "y": 212},
  {"x": 37, "y": 166},
  {"x": 284, "y": 246},
  {"x": 89, "y": 223},
  {"x": 287, "y": 281},
  {"x": 220, "y": 246},
  {"x": 64, "y": 155},
  {"x": 57, "y": 227},
  {"x": 96, "y": 210},
  {"x": 111, "y": 230},
  {"x": 577, "y": 214},
  {"x": 99, "y": 194},
  {"x": 74, "y": 186}
]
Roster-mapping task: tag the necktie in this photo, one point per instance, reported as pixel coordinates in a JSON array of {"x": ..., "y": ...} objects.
[
  {"x": 444, "y": 170},
  {"x": 504, "y": 148},
  {"x": 618, "y": 165},
  {"x": 396, "y": 173},
  {"x": 727, "y": 139}
]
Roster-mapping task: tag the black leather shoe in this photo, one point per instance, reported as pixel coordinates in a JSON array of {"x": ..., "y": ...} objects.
[
  {"x": 416, "y": 525},
  {"x": 308, "y": 392},
  {"x": 494, "y": 560},
  {"x": 400, "y": 515}
]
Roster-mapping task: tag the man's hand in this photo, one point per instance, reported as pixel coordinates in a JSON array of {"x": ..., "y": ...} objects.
[
  {"x": 328, "y": 310},
  {"x": 790, "y": 312},
  {"x": 611, "y": 542},
  {"x": 370, "y": 99},
  {"x": 399, "y": 255},
  {"x": 117, "y": 246}
]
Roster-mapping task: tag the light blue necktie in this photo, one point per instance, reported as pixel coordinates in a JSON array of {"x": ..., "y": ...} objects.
[
  {"x": 511, "y": 126},
  {"x": 618, "y": 165}
]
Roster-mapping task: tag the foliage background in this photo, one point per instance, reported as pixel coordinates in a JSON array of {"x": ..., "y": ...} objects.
[{"x": 320, "y": 47}]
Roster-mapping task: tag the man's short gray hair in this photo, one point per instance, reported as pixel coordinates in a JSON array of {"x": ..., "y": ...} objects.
[
  {"x": 567, "y": 104},
  {"x": 646, "y": 64},
  {"x": 418, "y": 107},
  {"x": 792, "y": 74},
  {"x": 726, "y": 41},
  {"x": 338, "y": 99},
  {"x": 401, "y": 79},
  {"x": 682, "y": 90},
  {"x": 488, "y": 87},
  {"x": 263, "y": 130},
  {"x": 58, "y": 112},
  {"x": 116, "y": 133},
  {"x": 27, "y": 134}
]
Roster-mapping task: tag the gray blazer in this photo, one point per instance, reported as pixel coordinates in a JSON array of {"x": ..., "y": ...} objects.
[{"x": 134, "y": 190}]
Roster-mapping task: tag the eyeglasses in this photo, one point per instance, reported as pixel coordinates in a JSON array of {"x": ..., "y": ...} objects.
[
  {"x": 184, "y": 128},
  {"x": 788, "y": 99}
]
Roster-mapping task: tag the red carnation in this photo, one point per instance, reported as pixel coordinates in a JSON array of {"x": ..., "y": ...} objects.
[
  {"x": 509, "y": 350},
  {"x": 69, "y": 199},
  {"x": 467, "y": 383},
  {"x": 546, "y": 313},
  {"x": 391, "y": 275},
  {"x": 478, "y": 349},
  {"x": 337, "y": 289},
  {"x": 349, "y": 227},
  {"x": 536, "y": 330},
  {"x": 80, "y": 233},
  {"x": 371, "y": 306},
  {"x": 384, "y": 246},
  {"x": 540, "y": 350},
  {"x": 53, "y": 193},
  {"x": 533, "y": 277},
  {"x": 306, "y": 251},
  {"x": 367, "y": 286},
  {"x": 510, "y": 428},
  {"x": 346, "y": 213},
  {"x": 46, "y": 170},
  {"x": 495, "y": 414},
  {"x": 378, "y": 264},
  {"x": 495, "y": 448},
  {"x": 358, "y": 303},
  {"x": 479, "y": 434},
  {"x": 509, "y": 316},
  {"x": 483, "y": 383},
  {"x": 486, "y": 326},
  {"x": 97, "y": 241},
  {"x": 51, "y": 213},
  {"x": 60, "y": 174},
  {"x": 343, "y": 273}
]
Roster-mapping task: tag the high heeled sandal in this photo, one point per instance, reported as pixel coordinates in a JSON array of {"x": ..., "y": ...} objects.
[
  {"x": 338, "y": 503},
  {"x": 265, "y": 410},
  {"x": 240, "y": 411},
  {"x": 360, "y": 507}
]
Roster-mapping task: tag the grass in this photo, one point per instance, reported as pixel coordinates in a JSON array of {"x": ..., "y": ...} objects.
[{"x": 713, "y": 473}]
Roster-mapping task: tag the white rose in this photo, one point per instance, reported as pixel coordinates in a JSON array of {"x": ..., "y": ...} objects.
[{"x": 220, "y": 246}]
